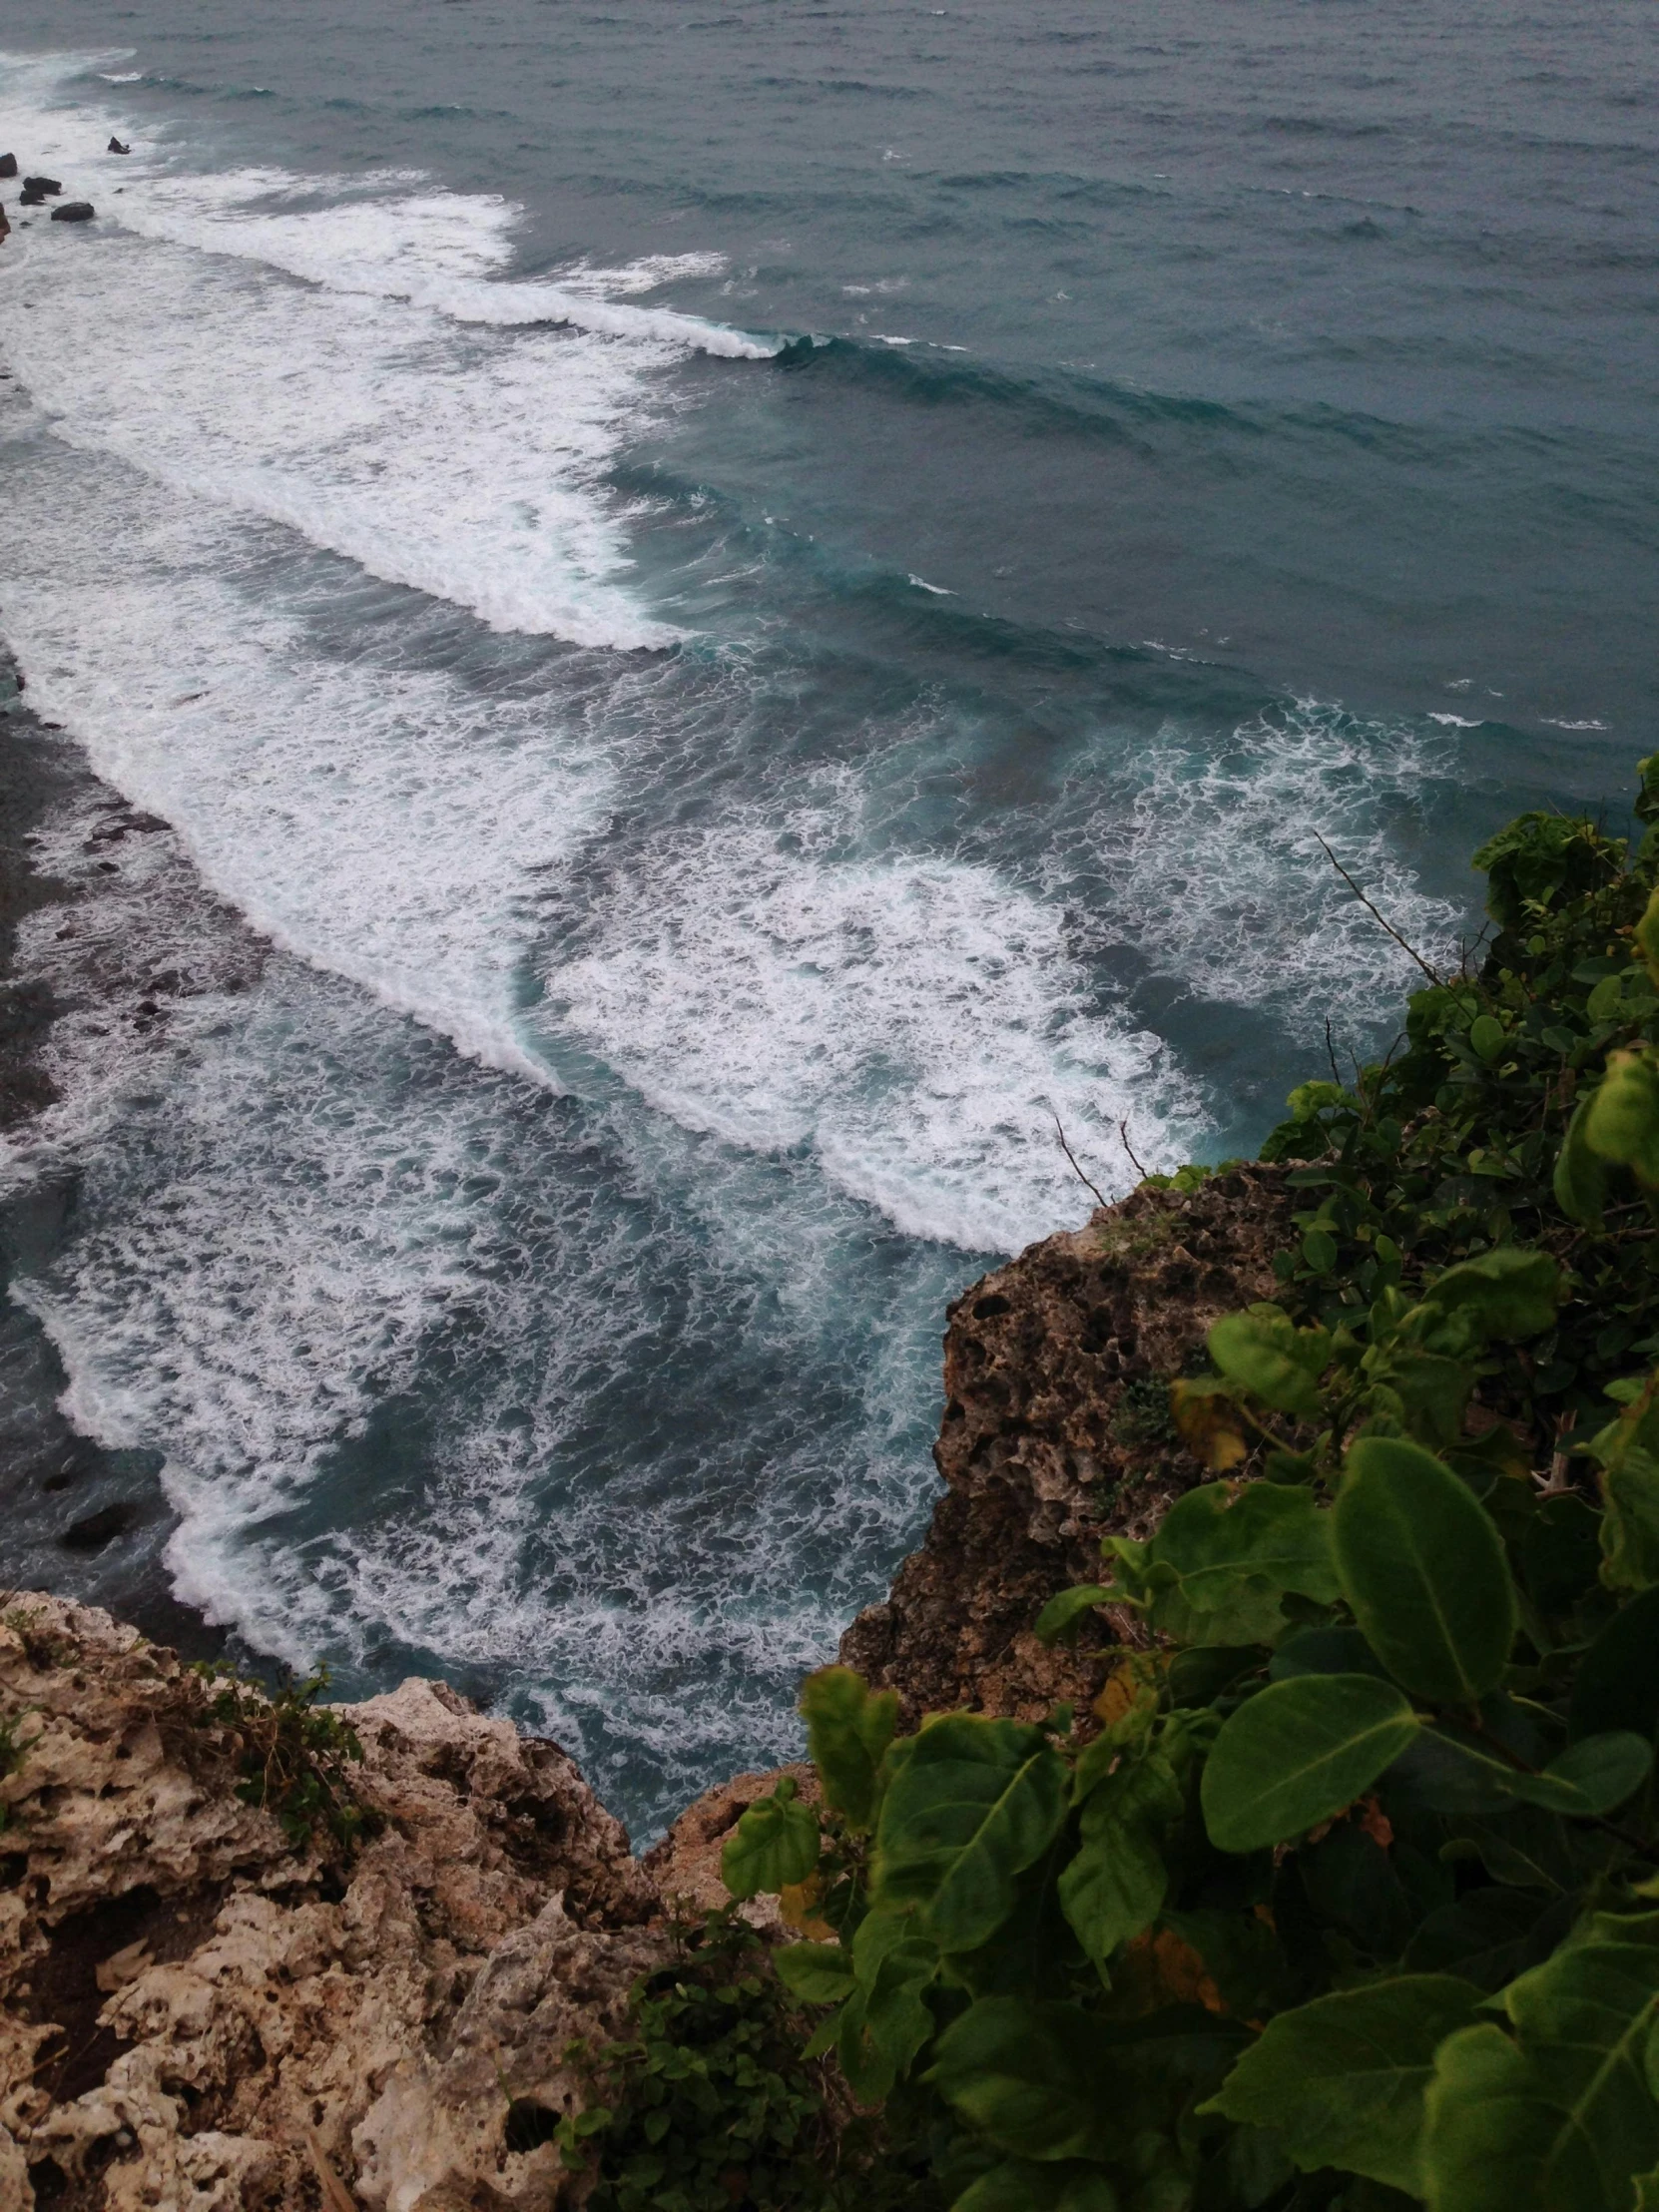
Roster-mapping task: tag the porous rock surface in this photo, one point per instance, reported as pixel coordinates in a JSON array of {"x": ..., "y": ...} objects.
[
  {"x": 1056, "y": 1432},
  {"x": 196, "y": 2014}
]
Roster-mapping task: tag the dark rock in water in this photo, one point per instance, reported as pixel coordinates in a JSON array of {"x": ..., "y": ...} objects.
[
  {"x": 32, "y": 200},
  {"x": 41, "y": 185},
  {"x": 74, "y": 211},
  {"x": 94, "y": 1530},
  {"x": 115, "y": 147},
  {"x": 8, "y": 165}
]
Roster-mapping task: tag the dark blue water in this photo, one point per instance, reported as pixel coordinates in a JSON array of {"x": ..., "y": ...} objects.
[{"x": 761, "y": 601}]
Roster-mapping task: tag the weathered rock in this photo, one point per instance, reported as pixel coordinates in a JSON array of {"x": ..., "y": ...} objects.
[
  {"x": 8, "y": 165},
  {"x": 115, "y": 147},
  {"x": 1055, "y": 1432},
  {"x": 482, "y": 2109},
  {"x": 685, "y": 1865},
  {"x": 45, "y": 185},
  {"x": 195, "y": 2013},
  {"x": 74, "y": 211}
]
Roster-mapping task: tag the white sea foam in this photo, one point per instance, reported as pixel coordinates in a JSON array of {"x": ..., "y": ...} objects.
[
  {"x": 291, "y": 1206},
  {"x": 471, "y": 471},
  {"x": 1206, "y": 856},
  {"x": 434, "y": 250},
  {"x": 404, "y": 406},
  {"x": 387, "y": 824},
  {"x": 917, "y": 1022}
]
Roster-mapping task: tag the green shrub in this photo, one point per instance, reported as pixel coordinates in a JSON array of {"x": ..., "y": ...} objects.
[
  {"x": 293, "y": 1754},
  {"x": 1351, "y": 1898},
  {"x": 712, "y": 2105}
]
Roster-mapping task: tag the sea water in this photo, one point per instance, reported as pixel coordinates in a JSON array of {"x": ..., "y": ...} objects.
[{"x": 762, "y": 603}]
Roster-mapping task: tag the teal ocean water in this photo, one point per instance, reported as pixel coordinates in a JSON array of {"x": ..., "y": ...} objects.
[{"x": 759, "y": 601}]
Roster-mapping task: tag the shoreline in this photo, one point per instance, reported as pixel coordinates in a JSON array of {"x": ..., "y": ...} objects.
[{"x": 89, "y": 1522}]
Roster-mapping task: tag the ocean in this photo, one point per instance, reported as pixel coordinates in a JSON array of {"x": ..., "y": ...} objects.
[{"x": 761, "y": 605}]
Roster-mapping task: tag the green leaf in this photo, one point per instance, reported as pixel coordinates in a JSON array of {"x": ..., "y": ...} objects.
[
  {"x": 1028, "y": 2076},
  {"x": 1487, "y": 1038},
  {"x": 1455, "y": 1774},
  {"x": 1647, "y": 933},
  {"x": 1342, "y": 2079},
  {"x": 1487, "y": 2132},
  {"x": 1267, "y": 1355},
  {"x": 1424, "y": 1571},
  {"x": 1060, "y": 1618},
  {"x": 1580, "y": 1174},
  {"x": 1628, "y": 1450},
  {"x": 1425, "y": 1392},
  {"x": 1503, "y": 1297},
  {"x": 817, "y": 1973},
  {"x": 848, "y": 1729},
  {"x": 975, "y": 1802},
  {"x": 1600, "y": 1773},
  {"x": 1335, "y": 1649},
  {"x": 776, "y": 1842},
  {"x": 1622, "y": 1123},
  {"x": 886, "y": 2020},
  {"x": 1017, "y": 2185},
  {"x": 1114, "y": 1886},
  {"x": 1630, "y": 1526},
  {"x": 1218, "y": 1566},
  {"x": 1617, "y": 1683},
  {"x": 1563, "y": 2115},
  {"x": 1297, "y": 1752},
  {"x": 1318, "y": 1249}
]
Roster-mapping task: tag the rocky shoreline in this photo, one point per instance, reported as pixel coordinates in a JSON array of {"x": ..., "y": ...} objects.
[
  {"x": 104, "y": 928},
  {"x": 199, "y": 2012}
]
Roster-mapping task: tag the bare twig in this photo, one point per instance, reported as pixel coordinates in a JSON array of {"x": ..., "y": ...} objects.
[
  {"x": 1072, "y": 1157},
  {"x": 1559, "y": 1477},
  {"x": 1123, "y": 1132},
  {"x": 339, "y": 2196},
  {"x": 1331, "y": 1054},
  {"x": 1374, "y": 913}
]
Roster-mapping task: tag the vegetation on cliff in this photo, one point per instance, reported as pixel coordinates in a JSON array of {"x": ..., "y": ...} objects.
[{"x": 1344, "y": 1894}]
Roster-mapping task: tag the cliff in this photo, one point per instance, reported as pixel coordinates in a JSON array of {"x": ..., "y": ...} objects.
[
  {"x": 199, "y": 2012},
  {"x": 1056, "y": 1430}
]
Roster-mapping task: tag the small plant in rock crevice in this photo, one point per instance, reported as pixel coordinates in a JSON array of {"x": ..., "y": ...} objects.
[{"x": 293, "y": 1754}]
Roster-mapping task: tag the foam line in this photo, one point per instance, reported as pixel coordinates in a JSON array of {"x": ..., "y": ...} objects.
[
  {"x": 918, "y": 1021},
  {"x": 1204, "y": 852}
]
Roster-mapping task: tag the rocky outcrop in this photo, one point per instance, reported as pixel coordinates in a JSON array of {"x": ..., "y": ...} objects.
[
  {"x": 197, "y": 2014},
  {"x": 1056, "y": 1431},
  {"x": 74, "y": 211}
]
